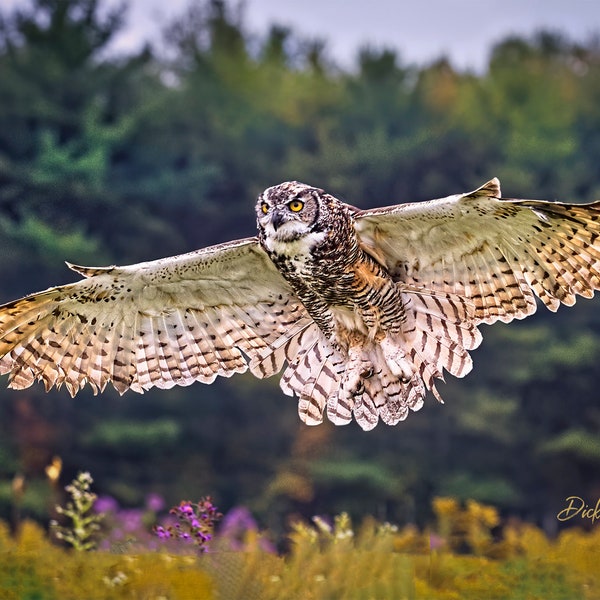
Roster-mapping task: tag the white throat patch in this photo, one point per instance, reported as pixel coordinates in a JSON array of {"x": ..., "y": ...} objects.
[{"x": 292, "y": 239}]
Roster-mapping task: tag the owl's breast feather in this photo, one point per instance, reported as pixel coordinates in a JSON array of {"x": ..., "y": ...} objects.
[{"x": 298, "y": 252}]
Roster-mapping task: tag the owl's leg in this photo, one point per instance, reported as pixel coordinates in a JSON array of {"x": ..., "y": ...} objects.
[{"x": 388, "y": 320}]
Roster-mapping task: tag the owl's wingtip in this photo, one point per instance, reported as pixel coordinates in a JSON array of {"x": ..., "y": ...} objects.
[
  {"x": 88, "y": 271},
  {"x": 489, "y": 189}
]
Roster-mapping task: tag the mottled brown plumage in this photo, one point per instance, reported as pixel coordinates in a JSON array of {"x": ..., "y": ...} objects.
[{"x": 367, "y": 308}]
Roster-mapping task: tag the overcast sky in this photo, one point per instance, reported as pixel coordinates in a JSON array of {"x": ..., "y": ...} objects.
[{"x": 421, "y": 30}]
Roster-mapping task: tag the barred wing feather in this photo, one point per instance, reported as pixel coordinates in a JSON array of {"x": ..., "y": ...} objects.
[
  {"x": 173, "y": 321},
  {"x": 495, "y": 252}
]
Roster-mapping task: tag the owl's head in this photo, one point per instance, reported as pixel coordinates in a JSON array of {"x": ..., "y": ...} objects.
[{"x": 289, "y": 211}]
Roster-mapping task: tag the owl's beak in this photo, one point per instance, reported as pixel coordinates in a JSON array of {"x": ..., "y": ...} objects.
[{"x": 277, "y": 219}]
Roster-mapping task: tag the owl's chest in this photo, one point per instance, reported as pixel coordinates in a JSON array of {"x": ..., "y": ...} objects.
[
  {"x": 296, "y": 258},
  {"x": 339, "y": 274},
  {"x": 342, "y": 287},
  {"x": 315, "y": 261}
]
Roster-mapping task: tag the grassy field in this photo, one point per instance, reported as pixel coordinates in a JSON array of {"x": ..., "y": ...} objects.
[{"x": 463, "y": 558}]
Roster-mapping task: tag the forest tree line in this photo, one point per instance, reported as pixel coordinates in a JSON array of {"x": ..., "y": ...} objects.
[{"x": 116, "y": 159}]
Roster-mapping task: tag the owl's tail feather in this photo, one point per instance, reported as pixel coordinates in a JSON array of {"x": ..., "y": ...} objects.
[
  {"x": 362, "y": 385},
  {"x": 443, "y": 330},
  {"x": 387, "y": 378},
  {"x": 437, "y": 337},
  {"x": 313, "y": 374}
]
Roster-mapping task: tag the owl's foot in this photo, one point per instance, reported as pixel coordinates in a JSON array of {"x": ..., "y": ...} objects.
[
  {"x": 358, "y": 368},
  {"x": 396, "y": 360},
  {"x": 341, "y": 405}
]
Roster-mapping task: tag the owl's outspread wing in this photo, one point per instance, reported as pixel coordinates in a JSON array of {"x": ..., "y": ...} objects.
[
  {"x": 494, "y": 252},
  {"x": 168, "y": 322},
  {"x": 368, "y": 308}
]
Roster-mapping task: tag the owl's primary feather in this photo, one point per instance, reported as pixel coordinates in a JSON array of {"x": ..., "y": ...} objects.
[
  {"x": 162, "y": 323},
  {"x": 367, "y": 308}
]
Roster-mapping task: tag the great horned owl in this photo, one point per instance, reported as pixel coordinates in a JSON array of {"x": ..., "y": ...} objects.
[{"x": 368, "y": 308}]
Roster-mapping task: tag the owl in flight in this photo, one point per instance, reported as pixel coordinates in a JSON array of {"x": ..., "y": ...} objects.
[{"x": 366, "y": 307}]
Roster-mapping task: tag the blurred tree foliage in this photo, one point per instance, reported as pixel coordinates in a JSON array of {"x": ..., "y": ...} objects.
[{"x": 107, "y": 158}]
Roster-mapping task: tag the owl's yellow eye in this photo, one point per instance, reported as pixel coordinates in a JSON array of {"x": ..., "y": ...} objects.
[
  {"x": 296, "y": 205},
  {"x": 264, "y": 207}
]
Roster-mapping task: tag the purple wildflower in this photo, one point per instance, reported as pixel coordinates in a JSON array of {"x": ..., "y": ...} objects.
[
  {"x": 106, "y": 504},
  {"x": 233, "y": 532},
  {"x": 162, "y": 533},
  {"x": 155, "y": 502},
  {"x": 195, "y": 522},
  {"x": 131, "y": 519},
  {"x": 185, "y": 508},
  {"x": 436, "y": 542}
]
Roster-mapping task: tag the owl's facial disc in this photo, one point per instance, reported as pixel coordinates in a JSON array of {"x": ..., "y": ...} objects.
[
  {"x": 286, "y": 212},
  {"x": 285, "y": 227}
]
